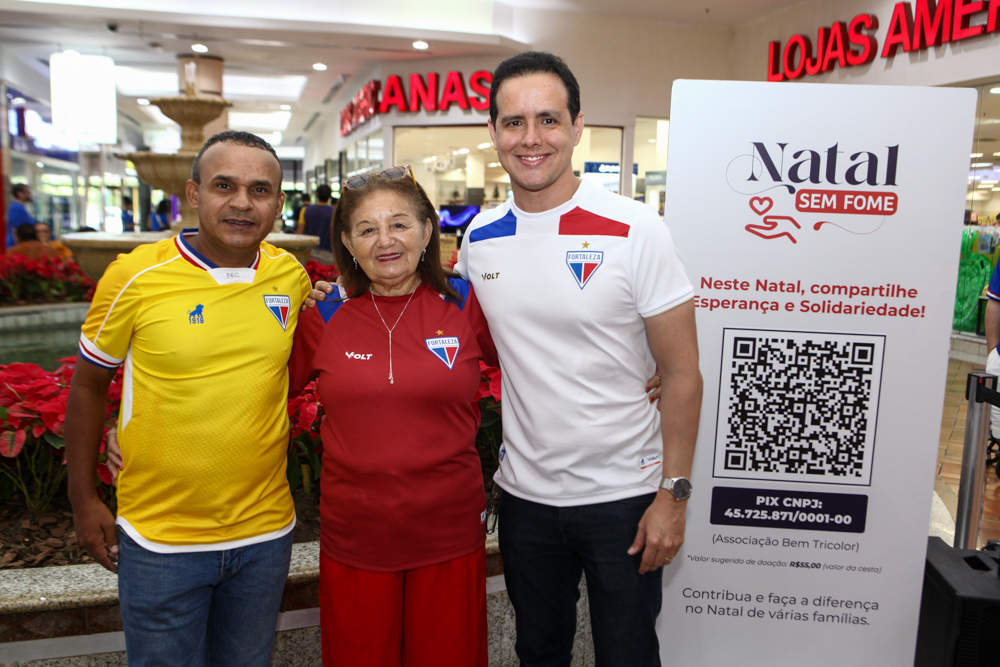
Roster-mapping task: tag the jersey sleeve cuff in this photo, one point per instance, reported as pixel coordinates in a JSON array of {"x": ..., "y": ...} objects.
[
  {"x": 673, "y": 303},
  {"x": 992, "y": 295},
  {"x": 90, "y": 353}
]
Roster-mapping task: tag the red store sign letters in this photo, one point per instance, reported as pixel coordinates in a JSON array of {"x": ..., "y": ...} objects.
[
  {"x": 914, "y": 26},
  {"x": 423, "y": 95}
]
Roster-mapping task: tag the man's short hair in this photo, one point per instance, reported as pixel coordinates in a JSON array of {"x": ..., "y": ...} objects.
[
  {"x": 126, "y": 201},
  {"x": 18, "y": 189},
  {"x": 25, "y": 232},
  {"x": 306, "y": 196},
  {"x": 323, "y": 193},
  {"x": 232, "y": 137},
  {"x": 535, "y": 62}
]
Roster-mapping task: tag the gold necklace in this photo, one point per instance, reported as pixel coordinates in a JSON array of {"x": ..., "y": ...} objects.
[{"x": 391, "y": 381}]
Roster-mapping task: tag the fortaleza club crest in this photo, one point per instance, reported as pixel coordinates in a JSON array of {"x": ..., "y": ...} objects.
[
  {"x": 445, "y": 349},
  {"x": 583, "y": 264},
  {"x": 279, "y": 305}
]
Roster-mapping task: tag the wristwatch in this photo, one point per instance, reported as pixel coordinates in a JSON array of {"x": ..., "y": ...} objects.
[{"x": 680, "y": 487}]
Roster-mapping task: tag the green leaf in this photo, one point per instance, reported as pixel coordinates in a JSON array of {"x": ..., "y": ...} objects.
[
  {"x": 306, "y": 478},
  {"x": 54, "y": 440},
  {"x": 489, "y": 419},
  {"x": 294, "y": 472}
]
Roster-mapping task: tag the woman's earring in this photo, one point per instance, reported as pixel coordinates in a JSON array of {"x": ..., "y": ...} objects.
[
  {"x": 422, "y": 253},
  {"x": 355, "y": 262}
]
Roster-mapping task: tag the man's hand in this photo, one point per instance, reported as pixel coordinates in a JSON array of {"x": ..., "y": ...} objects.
[
  {"x": 661, "y": 532},
  {"x": 317, "y": 293},
  {"x": 96, "y": 532},
  {"x": 85, "y": 413}
]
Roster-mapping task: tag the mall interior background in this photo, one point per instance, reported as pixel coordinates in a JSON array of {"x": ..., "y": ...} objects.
[{"x": 290, "y": 71}]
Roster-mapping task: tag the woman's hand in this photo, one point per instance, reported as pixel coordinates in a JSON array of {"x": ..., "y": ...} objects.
[{"x": 653, "y": 388}]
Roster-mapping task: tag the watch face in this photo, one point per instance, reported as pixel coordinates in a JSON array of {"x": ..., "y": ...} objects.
[{"x": 681, "y": 489}]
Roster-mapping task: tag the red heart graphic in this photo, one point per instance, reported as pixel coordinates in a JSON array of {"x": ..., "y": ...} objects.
[{"x": 761, "y": 205}]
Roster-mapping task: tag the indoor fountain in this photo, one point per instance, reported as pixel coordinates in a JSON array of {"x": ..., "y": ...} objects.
[{"x": 170, "y": 172}]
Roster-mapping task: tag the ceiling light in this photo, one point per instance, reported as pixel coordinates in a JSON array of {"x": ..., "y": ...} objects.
[
  {"x": 18, "y": 100},
  {"x": 199, "y": 48},
  {"x": 652, "y": 141},
  {"x": 493, "y": 165},
  {"x": 248, "y": 120},
  {"x": 484, "y": 146},
  {"x": 997, "y": 154},
  {"x": 285, "y": 107},
  {"x": 995, "y": 91},
  {"x": 462, "y": 151},
  {"x": 40, "y": 165},
  {"x": 985, "y": 185},
  {"x": 421, "y": 45},
  {"x": 319, "y": 67},
  {"x": 981, "y": 164},
  {"x": 976, "y": 155},
  {"x": 142, "y": 101},
  {"x": 427, "y": 160}
]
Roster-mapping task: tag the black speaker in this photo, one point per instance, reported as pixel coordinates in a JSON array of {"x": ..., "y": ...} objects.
[{"x": 960, "y": 608}]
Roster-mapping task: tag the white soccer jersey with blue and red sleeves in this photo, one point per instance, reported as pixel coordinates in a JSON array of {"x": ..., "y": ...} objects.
[{"x": 565, "y": 293}]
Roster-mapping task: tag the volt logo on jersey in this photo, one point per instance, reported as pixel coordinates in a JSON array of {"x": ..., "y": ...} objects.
[
  {"x": 279, "y": 305},
  {"x": 445, "y": 349},
  {"x": 583, "y": 264}
]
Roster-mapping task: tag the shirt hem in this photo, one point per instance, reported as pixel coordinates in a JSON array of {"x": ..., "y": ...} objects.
[
  {"x": 404, "y": 565},
  {"x": 161, "y": 548},
  {"x": 589, "y": 499}
]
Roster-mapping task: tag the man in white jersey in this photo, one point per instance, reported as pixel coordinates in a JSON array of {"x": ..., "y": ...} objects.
[{"x": 585, "y": 296}]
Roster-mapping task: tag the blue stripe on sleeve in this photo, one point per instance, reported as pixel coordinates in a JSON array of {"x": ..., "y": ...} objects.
[
  {"x": 505, "y": 226},
  {"x": 328, "y": 308},
  {"x": 994, "y": 288},
  {"x": 461, "y": 286}
]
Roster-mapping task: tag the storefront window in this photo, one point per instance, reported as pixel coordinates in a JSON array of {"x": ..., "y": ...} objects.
[
  {"x": 598, "y": 157},
  {"x": 651, "y": 157},
  {"x": 983, "y": 197},
  {"x": 458, "y": 166}
]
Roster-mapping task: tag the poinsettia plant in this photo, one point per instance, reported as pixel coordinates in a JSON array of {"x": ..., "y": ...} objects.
[
  {"x": 490, "y": 435},
  {"x": 319, "y": 272},
  {"x": 32, "y": 415},
  {"x": 305, "y": 414},
  {"x": 44, "y": 279}
]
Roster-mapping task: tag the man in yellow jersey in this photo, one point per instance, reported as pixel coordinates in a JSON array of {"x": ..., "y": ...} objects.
[{"x": 203, "y": 324}]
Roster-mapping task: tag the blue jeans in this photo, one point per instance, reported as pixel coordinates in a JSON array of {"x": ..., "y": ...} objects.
[
  {"x": 545, "y": 549},
  {"x": 217, "y": 608}
]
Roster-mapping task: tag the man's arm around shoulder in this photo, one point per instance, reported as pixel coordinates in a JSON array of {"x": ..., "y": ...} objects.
[
  {"x": 85, "y": 415},
  {"x": 673, "y": 341}
]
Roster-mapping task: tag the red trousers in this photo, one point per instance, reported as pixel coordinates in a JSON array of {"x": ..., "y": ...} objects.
[{"x": 431, "y": 616}]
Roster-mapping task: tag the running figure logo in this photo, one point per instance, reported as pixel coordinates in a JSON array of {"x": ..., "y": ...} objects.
[
  {"x": 196, "y": 316},
  {"x": 583, "y": 264},
  {"x": 445, "y": 349},
  {"x": 279, "y": 305}
]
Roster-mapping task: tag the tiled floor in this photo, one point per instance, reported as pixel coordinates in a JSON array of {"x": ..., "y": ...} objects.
[{"x": 952, "y": 441}]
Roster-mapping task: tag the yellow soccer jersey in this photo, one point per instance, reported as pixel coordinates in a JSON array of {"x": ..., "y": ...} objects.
[{"x": 203, "y": 425}]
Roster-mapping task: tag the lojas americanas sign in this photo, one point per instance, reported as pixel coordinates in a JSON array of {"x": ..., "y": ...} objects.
[{"x": 914, "y": 26}]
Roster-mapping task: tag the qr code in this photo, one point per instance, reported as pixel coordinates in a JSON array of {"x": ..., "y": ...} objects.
[{"x": 798, "y": 406}]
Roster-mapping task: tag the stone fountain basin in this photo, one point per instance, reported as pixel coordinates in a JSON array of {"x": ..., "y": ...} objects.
[
  {"x": 165, "y": 171},
  {"x": 94, "y": 251}
]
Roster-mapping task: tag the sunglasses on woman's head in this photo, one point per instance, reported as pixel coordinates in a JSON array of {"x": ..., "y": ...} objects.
[{"x": 392, "y": 174}]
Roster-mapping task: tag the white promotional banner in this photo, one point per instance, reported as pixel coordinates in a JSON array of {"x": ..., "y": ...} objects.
[{"x": 821, "y": 228}]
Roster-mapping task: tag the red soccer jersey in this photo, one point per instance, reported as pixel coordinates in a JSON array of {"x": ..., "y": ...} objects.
[{"x": 402, "y": 484}]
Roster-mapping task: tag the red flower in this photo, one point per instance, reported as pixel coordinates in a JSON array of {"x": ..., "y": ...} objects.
[
  {"x": 489, "y": 384},
  {"x": 319, "y": 272}
]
